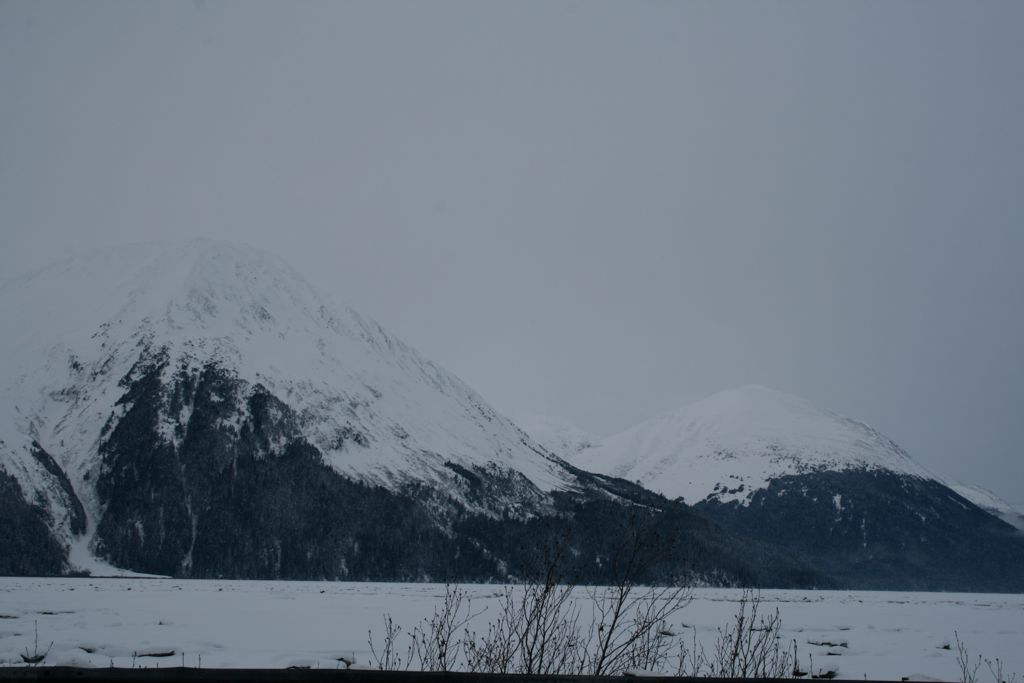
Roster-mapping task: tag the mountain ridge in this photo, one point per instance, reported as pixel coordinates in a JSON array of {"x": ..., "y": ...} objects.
[
  {"x": 734, "y": 442},
  {"x": 198, "y": 410},
  {"x": 772, "y": 467}
]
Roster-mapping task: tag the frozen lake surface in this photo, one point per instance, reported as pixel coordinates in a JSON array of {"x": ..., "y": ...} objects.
[{"x": 99, "y": 622}]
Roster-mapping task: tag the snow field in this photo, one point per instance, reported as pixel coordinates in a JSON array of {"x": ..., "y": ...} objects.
[{"x": 98, "y": 622}]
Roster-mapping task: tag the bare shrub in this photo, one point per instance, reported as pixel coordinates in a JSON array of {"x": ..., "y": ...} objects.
[
  {"x": 968, "y": 671},
  {"x": 435, "y": 641},
  {"x": 750, "y": 646},
  {"x": 995, "y": 667},
  {"x": 547, "y": 632},
  {"x": 539, "y": 629},
  {"x": 35, "y": 657},
  {"x": 538, "y": 626},
  {"x": 388, "y": 659},
  {"x": 969, "y": 668},
  {"x": 495, "y": 651},
  {"x": 630, "y": 626},
  {"x": 690, "y": 658}
]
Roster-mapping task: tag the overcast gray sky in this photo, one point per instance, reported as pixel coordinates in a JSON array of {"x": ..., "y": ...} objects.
[{"x": 598, "y": 211}]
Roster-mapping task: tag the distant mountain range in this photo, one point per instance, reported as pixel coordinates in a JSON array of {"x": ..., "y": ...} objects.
[{"x": 198, "y": 410}]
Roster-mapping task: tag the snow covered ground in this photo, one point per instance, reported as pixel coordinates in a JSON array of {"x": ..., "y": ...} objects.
[{"x": 99, "y": 622}]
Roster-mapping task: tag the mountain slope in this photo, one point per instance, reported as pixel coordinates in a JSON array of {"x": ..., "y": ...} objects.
[
  {"x": 992, "y": 504},
  {"x": 212, "y": 303},
  {"x": 735, "y": 442},
  {"x": 772, "y": 467},
  {"x": 116, "y": 347}
]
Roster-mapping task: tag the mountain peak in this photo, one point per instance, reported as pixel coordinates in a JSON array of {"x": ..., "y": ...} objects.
[
  {"x": 79, "y": 334},
  {"x": 231, "y": 299},
  {"x": 733, "y": 442}
]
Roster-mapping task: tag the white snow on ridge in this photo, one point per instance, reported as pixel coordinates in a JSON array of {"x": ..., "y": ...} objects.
[
  {"x": 991, "y": 503},
  {"x": 73, "y": 330},
  {"x": 734, "y": 442}
]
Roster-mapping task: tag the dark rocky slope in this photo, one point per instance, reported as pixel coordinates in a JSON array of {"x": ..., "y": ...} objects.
[
  {"x": 875, "y": 529},
  {"x": 250, "y": 498}
]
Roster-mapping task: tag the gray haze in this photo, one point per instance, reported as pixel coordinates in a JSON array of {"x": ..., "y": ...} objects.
[{"x": 593, "y": 210}]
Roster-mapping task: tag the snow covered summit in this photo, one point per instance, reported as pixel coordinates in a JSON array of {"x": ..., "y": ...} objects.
[
  {"x": 119, "y": 347},
  {"x": 733, "y": 443},
  {"x": 773, "y": 467}
]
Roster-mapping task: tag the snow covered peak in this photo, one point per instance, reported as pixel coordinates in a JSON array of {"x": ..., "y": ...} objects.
[
  {"x": 232, "y": 300},
  {"x": 198, "y": 285},
  {"x": 732, "y": 443},
  {"x": 74, "y": 331}
]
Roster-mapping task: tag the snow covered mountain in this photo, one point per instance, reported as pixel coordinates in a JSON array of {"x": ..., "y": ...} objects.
[
  {"x": 199, "y": 410},
  {"x": 246, "y": 311},
  {"x": 84, "y": 339},
  {"x": 833, "y": 491},
  {"x": 735, "y": 442}
]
